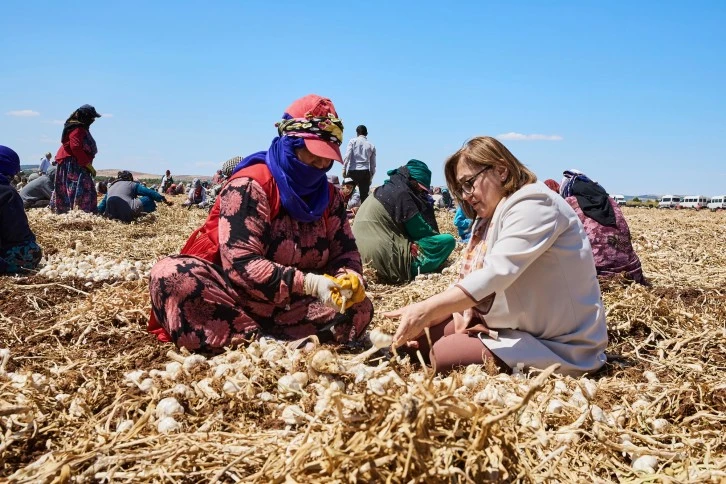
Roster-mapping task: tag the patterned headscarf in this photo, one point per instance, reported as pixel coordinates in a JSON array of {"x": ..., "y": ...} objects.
[
  {"x": 229, "y": 165},
  {"x": 327, "y": 128}
]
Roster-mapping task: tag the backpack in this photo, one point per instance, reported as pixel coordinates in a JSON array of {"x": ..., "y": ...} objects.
[{"x": 204, "y": 242}]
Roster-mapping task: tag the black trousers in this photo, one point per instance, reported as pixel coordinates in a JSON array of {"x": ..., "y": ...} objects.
[{"x": 362, "y": 179}]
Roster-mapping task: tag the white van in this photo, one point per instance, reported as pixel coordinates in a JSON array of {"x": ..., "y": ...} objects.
[
  {"x": 619, "y": 199},
  {"x": 695, "y": 201},
  {"x": 718, "y": 202},
  {"x": 669, "y": 201}
]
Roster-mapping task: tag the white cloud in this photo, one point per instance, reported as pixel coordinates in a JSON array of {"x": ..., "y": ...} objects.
[
  {"x": 529, "y": 137},
  {"x": 23, "y": 113},
  {"x": 106, "y": 115},
  {"x": 48, "y": 140}
]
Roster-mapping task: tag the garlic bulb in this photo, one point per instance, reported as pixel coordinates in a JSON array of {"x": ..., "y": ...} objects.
[
  {"x": 230, "y": 387},
  {"x": 651, "y": 377},
  {"x": 324, "y": 361},
  {"x": 659, "y": 425},
  {"x": 124, "y": 425},
  {"x": 554, "y": 407},
  {"x": 589, "y": 388},
  {"x": 287, "y": 385},
  {"x": 645, "y": 463},
  {"x": 167, "y": 425},
  {"x": 380, "y": 339},
  {"x": 490, "y": 394},
  {"x": 169, "y": 407},
  {"x": 293, "y": 415},
  {"x": 193, "y": 362}
]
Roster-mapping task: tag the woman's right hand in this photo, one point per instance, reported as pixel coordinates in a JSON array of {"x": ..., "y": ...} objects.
[
  {"x": 412, "y": 320},
  {"x": 321, "y": 287}
]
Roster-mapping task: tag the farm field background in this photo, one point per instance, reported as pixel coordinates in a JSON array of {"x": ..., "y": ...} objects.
[{"x": 83, "y": 385}]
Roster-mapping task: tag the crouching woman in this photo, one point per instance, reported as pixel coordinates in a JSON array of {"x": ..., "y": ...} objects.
[
  {"x": 276, "y": 254},
  {"x": 126, "y": 199},
  {"x": 18, "y": 250},
  {"x": 527, "y": 291}
]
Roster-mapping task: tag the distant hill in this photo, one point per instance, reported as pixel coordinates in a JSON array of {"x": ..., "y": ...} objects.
[
  {"x": 643, "y": 197},
  {"x": 150, "y": 176},
  {"x": 29, "y": 167}
]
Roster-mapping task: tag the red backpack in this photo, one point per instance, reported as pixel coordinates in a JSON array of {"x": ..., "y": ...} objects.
[{"x": 204, "y": 242}]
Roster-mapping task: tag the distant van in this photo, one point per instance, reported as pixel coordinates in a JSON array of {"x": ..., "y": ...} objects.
[
  {"x": 620, "y": 199},
  {"x": 718, "y": 202},
  {"x": 695, "y": 201},
  {"x": 669, "y": 201}
]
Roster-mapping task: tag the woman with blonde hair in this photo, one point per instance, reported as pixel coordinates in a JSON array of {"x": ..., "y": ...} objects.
[{"x": 527, "y": 291}]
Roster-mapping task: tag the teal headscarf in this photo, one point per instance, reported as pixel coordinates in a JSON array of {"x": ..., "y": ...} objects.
[{"x": 419, "y": 172}]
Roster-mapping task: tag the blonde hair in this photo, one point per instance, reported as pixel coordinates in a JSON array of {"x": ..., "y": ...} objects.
[{"x": 486, "y": 151}]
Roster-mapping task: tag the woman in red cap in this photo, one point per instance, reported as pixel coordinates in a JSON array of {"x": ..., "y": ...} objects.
[{"x": 276, "y": 255}]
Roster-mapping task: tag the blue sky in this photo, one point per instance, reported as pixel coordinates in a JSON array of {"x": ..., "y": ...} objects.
[{"x": 631, "y": 93}]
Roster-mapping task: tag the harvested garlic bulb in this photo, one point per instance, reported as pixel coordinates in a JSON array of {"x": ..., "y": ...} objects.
[
  {"x": 169, "y": 407},
  {"x": 167, "y": 425}
]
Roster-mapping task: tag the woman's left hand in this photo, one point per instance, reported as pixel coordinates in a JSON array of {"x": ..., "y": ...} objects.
[{"x": 413, "y": 319}]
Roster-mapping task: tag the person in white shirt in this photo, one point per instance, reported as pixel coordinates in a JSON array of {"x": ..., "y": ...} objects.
[
  {"x": 45, "y": 164},
  {"x": 527, "y": 291},
  {"x": 359, "y": 162}
]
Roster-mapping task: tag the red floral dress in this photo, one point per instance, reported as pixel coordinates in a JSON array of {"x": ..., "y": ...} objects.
[{"x": 259, "y": 285}]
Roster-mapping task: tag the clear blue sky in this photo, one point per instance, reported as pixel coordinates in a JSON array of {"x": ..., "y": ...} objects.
[{"x": 631, "y": 93}]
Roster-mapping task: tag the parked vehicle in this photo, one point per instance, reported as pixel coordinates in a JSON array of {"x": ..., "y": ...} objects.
[
  {"x": 670, "y": 201},
  {"x": 695, "y": 201},
  {"x": 620, "y": 199},
  {"x": 718, "y": 202}
]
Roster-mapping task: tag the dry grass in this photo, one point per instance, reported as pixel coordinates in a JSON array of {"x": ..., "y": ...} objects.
[{"x": 69, "y": 413}]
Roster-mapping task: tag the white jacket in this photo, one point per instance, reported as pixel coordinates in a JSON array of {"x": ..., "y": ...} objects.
[{"x": 548, "y": 307}]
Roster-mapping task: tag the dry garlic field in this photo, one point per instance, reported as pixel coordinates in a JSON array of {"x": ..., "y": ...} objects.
[{"x": 86, "y": 395}]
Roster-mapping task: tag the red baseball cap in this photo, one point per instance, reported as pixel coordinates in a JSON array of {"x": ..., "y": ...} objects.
[{"x": 317, "y": 106}]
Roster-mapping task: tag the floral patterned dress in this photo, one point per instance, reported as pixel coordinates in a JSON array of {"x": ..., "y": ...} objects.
[
  {"x": 74, "y": 186},
  {"x": 612, "y": 247},
  {"x": 259, "y": 286}
]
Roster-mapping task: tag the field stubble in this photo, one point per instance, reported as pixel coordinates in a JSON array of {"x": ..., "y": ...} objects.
[{"x": 87, "y": 394}]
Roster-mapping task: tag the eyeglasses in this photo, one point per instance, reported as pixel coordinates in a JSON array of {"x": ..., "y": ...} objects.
[{"x": 467, "y": 186}]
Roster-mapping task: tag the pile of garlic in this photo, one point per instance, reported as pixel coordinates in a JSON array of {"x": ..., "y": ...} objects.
[{"x": 92, "y": 267}]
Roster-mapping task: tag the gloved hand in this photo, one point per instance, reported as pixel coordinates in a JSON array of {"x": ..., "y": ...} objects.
[
  {"x": 321, "y": 287},
  {"x": 91, "y": 170},
  {"x": 351, "y": 287}
]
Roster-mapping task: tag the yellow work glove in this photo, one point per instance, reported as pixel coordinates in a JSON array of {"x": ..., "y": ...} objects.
[
  {"x": 91, "y": 170},
  {"x": 351, "y": 287}
]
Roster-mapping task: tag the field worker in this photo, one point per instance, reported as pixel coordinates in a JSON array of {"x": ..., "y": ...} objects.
[
  {"x": 605, "y": 225},
  {"x": 462, "y": 224},
  {"x": 74, "y": 186},
  {"x": 526, "y": 274},
  {"x": 166, "y": 181},
  {"x": 37, "y": 193},
  {"x": 360, "y": 161},
  {"x": 229, "y": 166},
  {"x": 45, "y": 164},
  {"x": 351, "y": 198},
  {"x": 127, "y": 199},
  {"x": 197, "y": 195},
  {"x": 396, "y": 229},
  {"x": 18, "y": 250},
  {"x": 276, "y": 255}
]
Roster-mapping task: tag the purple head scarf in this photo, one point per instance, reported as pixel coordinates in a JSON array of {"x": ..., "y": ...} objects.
[
  {"x": 303, "y": 188},
  {"x": 9, "y": 163}
]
